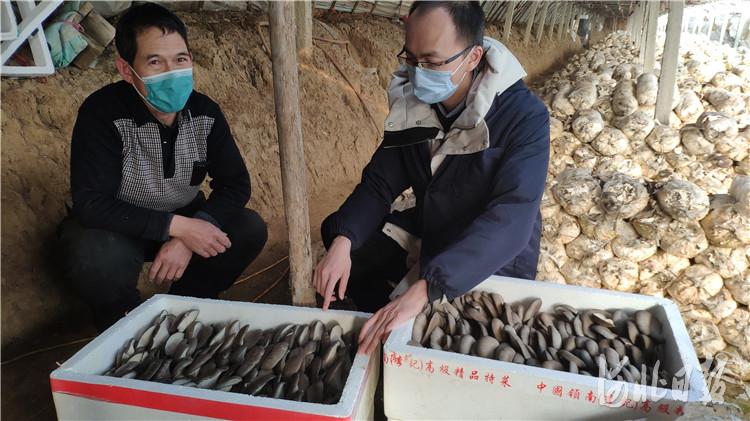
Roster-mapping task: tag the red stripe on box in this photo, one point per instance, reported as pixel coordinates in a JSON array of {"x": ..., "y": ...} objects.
[{"x": 180, "y": 404}]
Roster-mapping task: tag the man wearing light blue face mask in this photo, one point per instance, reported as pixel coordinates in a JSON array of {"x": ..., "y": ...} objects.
[
  {"x": 467, "y": 135},
  {"x": 141, "y": 149}
]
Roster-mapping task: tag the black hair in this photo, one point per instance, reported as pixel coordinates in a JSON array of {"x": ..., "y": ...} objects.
[
  {"x": 468, "y": 17},
  {"x": 139, "y": 18}
]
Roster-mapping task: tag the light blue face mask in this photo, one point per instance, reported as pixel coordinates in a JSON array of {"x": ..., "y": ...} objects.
[
  {"x": 168, "y": 92},
  {"x": 433, "y": 86}
]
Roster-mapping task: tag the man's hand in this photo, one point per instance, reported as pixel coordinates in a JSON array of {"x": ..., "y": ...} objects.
[
  {"x": 200, "y": 236},
  {"x": 393, "y": 315},
  {"x": 170, "y": 262},
  {"x": 334, "y": 267}
]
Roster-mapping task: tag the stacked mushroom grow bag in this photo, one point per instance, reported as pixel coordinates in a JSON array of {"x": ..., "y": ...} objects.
[{"x": 632, "y": 205}]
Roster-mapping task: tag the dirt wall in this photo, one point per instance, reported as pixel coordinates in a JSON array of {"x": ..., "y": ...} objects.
[{"x": 231, "y": 66}]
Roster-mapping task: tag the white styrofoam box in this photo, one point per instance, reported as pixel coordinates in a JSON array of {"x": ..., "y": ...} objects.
[
  {"x": 81, "y": 392},
  {"x": 422, "y": 383}
]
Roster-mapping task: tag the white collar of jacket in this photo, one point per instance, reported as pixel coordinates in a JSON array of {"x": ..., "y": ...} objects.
[{"x": 469, "y": 133}]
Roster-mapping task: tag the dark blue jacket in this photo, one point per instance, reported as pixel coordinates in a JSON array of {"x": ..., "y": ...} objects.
[{"x": 478, "y": 214}]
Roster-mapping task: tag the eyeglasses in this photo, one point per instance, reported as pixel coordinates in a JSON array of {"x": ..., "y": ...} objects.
[{"x": 403, "y": 58}]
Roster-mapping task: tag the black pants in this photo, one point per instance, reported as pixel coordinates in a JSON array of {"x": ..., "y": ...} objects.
[
  {"x": 103, "y": 266},
  {"x": 379, "y": 260}
]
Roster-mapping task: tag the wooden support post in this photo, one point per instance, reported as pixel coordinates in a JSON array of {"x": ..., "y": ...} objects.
[
  {"x": 631, "y": 21},
  {"x": 710, "y": 26},
  {"x": 724, "y": 25},
  {"x": 553, "y": 21},
  {"x": 740, "y": 29},
  {"x": 563, "y": 21},
  {"x": 489, "y": 12},
  {"x": 639, "y": 25},
  {"x": 542, "y": 19},
  {"x": 530, "y": 22},
  {"x": 575, "y": 20},
  {"x": 650, "y": 45},
  {"x": 642, "y": 33},
  {"x": 640, "y": 22},
  {"x": 304, "y": 22},
  {"x": 627, "y": 25},
  {"x": 291, "y": 151},
  {"x": 509, "y": 20},
  {"x": 497, "y": 12},
  {"x": 571, "y": 19},
  {"x": 668, "y": 74}
]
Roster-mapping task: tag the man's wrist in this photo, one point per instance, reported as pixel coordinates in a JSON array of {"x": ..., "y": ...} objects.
[
  {"x": 177, "y": 225},
  {"x": 343, "y": 240},
  {"x": 421, "y": 286}
]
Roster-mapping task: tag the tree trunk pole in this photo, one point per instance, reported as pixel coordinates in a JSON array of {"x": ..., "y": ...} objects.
[{"x": 291, "y": 151}]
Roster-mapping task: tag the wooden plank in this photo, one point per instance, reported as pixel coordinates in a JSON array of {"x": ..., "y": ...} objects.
[
  {"x": 649, "y": 53},
  {"x": 554, "y": 19},
  {"x": 488, "y": 9},
  {"x": 561, "y": 24},
  {"x": 634, "y": 24},
  {"x": 576, "y": 20},
  {"x": 492, "y": 11},
  {"x": 530, "y": 22},
  {"x": 724, "y": 25},
  {"x": 686, "y": 22},
  {"x": 740, "y": 29},
  {"x": 571, "y": 19},
  {"x": 668, "y": 74},
  {"x": 499, "y": 12},
  {"x": 540, "y": 25},
  {"x": 527, "y": 10},
  {"x": 642, "y": 32},
  {"x": 509, "y": 20},
  {"x": 629, "y": 25},
  {"x": 304, "y": 23},
  {"x": 638, "y": 28},
  {"x": 291, "y": 151},
  {"x": 520, "y": 15}
]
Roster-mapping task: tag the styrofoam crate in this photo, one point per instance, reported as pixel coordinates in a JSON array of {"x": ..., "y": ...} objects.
[
  {"x": 81, "y": 392},
  {"x": 423, "y": 383}
]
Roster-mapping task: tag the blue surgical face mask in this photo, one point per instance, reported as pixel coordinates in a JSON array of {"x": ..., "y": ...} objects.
[
  {"x": 433, "y": 86},
  {"x": 168, "y": 92}
]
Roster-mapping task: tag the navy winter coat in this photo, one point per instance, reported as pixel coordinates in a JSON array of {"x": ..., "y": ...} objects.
[{"x": 478, "y": 196}]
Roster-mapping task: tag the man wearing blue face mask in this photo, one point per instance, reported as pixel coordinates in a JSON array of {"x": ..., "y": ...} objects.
[
  {"x": 141, "y": 149},
  {"x": 466, "y": 134}
]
